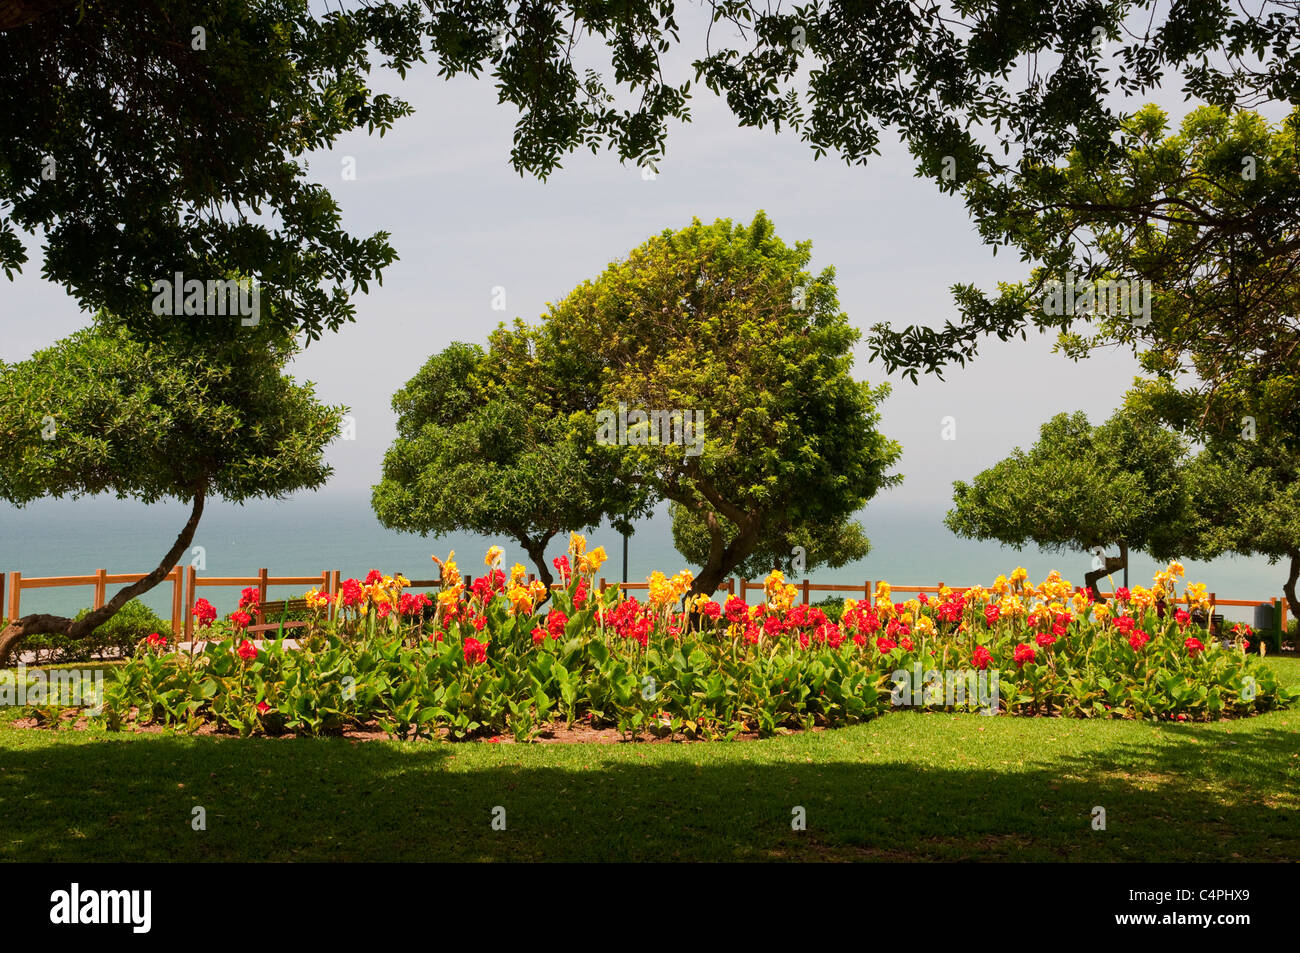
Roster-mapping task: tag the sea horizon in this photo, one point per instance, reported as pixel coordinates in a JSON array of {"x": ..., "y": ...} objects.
[{"x": 309, "y": 534}]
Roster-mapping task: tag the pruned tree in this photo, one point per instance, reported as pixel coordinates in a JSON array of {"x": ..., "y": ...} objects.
[
  {"x": 474, "y": 453},
  {"x": 739, "y": 360},
  {"x": 104, "y": 411},
  {"x": 1081, "y": 488}
]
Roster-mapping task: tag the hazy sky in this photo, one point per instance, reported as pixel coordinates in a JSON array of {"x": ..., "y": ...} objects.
[{"x": 463, "y": 223}]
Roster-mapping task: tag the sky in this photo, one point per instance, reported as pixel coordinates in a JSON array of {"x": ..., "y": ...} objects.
[{"x": 465, "y": 224}]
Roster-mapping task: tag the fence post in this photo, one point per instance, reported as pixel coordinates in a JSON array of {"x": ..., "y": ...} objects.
[
  {"x": 3, "y": 607},
  {"x": 261, "y": 587},
  {"x": 731, "y": 586},
  {"x": 807, "y": 600},
  {"x": 602, "y": 585},
  {"x": 178, "y": 601},
  {"x": 15, "y": 595},
  {"x": 191, "y": 577},
  {"x": 100, "y": 587},
  {"x": 335, "y": 583},
  {"x": 866, "y": 589}
]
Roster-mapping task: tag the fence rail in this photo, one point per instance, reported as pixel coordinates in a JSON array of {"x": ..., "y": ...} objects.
[{"x": 186, "y": 582}]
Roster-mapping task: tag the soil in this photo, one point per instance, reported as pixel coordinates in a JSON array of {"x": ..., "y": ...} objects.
[{"x": 555, "y": 732}]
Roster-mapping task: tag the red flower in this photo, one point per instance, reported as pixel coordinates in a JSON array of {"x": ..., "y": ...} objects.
[
  {"x": 475, "y": 651},
  {"x": 413, "y": 603},
  {"x": 885, "y": 645},
  {"x": 241, "y": 619},
  {"x": 205, "y": 612},
  {"x": 539, "y": 634},
  {"x": 247, "y": 650},
  {"x": 352, "y": 592},
  {"x": 1182, "y": 618},
  {"x": 248, "y": 597},
  {"x": 981, "y": 657},
  {"x": 1044, "y": 639},
  {"x": 711, "y": 609},
  {"x": 906, "y": 643},
  {"x": 155, "y": 640},
  {"x": 555, "y": 623},
  {"x": 263, "y": 708},
  {"x": 1122, "y": 595},
  {"x": 561, "y": 564},
  {"x": 922, "y": 598},
  {"x": 991, "y": 614},
  {"x": 479, "y": 623},
  {"x": 580, "y": 593},
  {"x": 1194, "y": 647},
  {"x": 383, "y": 609},
  {"x": 1138, "y": 639},
  {"x": 373, "y": 577},
  {"x": 1125, "y": 623},
  {"x": 737, "y": 610},
  {"x": 1024, "y": 653}
]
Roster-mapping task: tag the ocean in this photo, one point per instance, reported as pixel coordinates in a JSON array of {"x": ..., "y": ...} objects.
[{"x": 309, "y": 534}]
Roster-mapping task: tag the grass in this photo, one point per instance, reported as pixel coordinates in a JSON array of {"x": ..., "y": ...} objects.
[{"x": 908, "y": 786}]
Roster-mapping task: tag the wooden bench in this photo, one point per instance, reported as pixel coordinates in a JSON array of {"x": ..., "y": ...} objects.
[{"x": 294, "y": 618}]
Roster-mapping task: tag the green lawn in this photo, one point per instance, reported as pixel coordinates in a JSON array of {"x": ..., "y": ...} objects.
[{"x": 908, "y": 786}]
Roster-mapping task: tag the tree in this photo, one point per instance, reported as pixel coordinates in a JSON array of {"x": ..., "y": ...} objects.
[
  {"x": 1183, "y": 248},
  {"x": 142, "y": 140},
  {"x": 104, "y": 411},
  {"x": 475, "y": 451},
  {"x": 1245, "y": 486},
  {"x": 716, "y": 371},
  {"x": 1081, "y": 487}
]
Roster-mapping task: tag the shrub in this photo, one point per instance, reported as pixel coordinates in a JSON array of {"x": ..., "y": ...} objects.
[{"x": 116, "y": 637}]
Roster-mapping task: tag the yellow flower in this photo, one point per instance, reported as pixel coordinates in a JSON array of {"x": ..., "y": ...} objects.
[
  {"x": 923, "y": 626},
  {"x": 493, "y": 557},
  {"x": 883, "y": 592},
  {"x": 577, "y": 544},
  {"x": 1176, "y": 569},
  {"x": 593, "y": 560},
  {"x": 1101, "y": 611},
  {"x": 450, "y": 574},
  {"x": 450, "y": 596},
  {"x": 317, "y": 599},
  {"x": 402, "y": 581},
  {"x": 537, "y": 589},
  {"x": 521, "y": 600},
  {"x": 850, "y": 604},
  {"x": 517, "y": 572}
]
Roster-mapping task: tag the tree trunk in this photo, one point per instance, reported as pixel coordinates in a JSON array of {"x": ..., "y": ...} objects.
[
  {"x": 1290, "y": 588},
  {"x": 19, "y": 629},
  {"x": 536, "y": 549}
]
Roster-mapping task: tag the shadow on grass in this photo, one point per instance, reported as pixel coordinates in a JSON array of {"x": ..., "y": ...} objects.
[{"x": 1183, "y": 798}]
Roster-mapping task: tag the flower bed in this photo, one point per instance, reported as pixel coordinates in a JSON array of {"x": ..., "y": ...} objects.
[{"x": 498, "y": 656}]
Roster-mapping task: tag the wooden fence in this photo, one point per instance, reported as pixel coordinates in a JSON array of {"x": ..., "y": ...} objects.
[{"x": 186, "y": 582}]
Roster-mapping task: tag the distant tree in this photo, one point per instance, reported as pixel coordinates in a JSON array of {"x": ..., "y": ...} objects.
[
  {"x": 1082, "y": 488},
  {"x": 474, "y": 454},
  {"x": 723, "y": 322},
  {"x": 106, "y": 412}
]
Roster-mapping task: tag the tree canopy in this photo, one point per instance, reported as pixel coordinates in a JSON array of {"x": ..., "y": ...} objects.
[
  {"x": 723, "y": 325},
  {"x": 1081, "y": 487},
  {"x": 104, "y": 411},
  {"x": 474, "y": 453},
  {"x": 144, "y": 140}
]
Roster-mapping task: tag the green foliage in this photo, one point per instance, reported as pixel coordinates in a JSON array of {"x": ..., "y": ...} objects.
[
  {"x": 725, "y": 321},
  {"x": 136, "y": 148},
  {"x": 478, "y": 450},
  {"x": 1080, "y": 487},
  {"x": 106, "y": 411},
  {"x": 116, "y": 637},
  {"x": 649, "y": 668},
  {"x": 1203, "y": 215}
]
